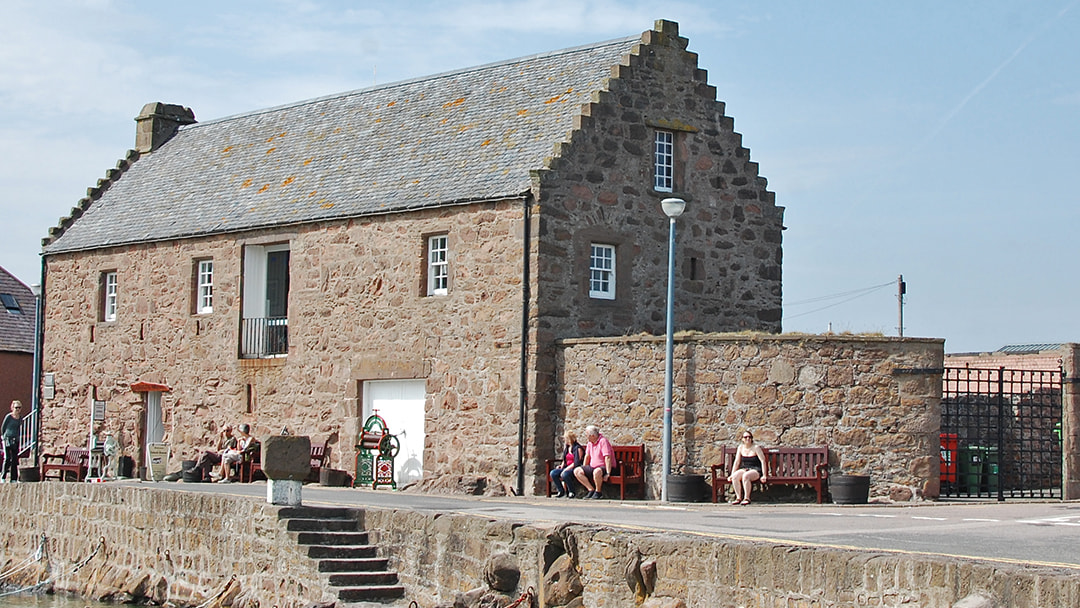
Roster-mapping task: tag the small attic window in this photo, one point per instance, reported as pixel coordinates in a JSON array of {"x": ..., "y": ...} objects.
[{"x": 10, "y": 303}]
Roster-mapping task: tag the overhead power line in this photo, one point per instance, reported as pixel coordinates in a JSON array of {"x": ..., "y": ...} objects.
[{"x": 847, "y": 297}]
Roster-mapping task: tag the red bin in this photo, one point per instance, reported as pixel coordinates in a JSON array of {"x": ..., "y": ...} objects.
[{"x": 949, "y": 457}]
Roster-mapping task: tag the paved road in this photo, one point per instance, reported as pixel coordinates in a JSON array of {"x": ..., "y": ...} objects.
[{"x": 1031, "y": 533}]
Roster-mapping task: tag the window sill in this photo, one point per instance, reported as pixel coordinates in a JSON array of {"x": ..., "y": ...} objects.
[{"x": 275, "y": 361}]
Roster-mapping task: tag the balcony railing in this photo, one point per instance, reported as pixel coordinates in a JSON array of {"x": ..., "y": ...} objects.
[{"x": 264, "y": 337}]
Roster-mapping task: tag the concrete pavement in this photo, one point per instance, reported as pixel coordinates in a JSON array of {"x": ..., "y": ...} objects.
[{"x": 1044, "y": 533}]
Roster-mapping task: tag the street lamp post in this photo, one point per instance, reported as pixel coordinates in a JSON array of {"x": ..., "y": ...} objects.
[{"x": 673, "y": 208}]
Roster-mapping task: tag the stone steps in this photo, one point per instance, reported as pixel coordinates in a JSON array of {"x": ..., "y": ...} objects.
[
  {"x": 352, "y": 566},
  {"x": 360, "y": 564}
]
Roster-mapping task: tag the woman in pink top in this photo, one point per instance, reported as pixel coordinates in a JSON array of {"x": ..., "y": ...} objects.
[
  {"x": 563, "y": 477},
  {"x": 599, "y": 463}
]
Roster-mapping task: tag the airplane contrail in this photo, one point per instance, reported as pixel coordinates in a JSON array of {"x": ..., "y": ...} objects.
[{"x": 982, "y": 85}]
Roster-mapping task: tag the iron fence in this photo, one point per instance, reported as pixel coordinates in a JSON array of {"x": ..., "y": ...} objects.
[{"x": 1001, "y": 433}]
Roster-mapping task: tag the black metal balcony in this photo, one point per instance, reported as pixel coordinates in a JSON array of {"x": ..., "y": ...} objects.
[{"x": 264, "y": 337}]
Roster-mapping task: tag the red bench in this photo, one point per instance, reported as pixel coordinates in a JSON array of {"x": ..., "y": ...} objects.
[
  {"x": 787, "y": 466},
  {"x": 629, "y": 469},
  {"x": 73, "y": 460}
]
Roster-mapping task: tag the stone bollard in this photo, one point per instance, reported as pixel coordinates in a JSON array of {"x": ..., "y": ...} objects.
[{"x": 286, "y": 462}]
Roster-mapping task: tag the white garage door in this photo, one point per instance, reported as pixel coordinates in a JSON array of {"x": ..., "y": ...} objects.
[{"x": 401, "y": 404}]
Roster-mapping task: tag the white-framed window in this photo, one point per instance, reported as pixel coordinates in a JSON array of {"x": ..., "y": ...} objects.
[
  {"x": 602, "y": 271},
  {"x": 204, "y": 290},
  {"x": 664, "y": 180},
  {"x": 108, "y": 287},
  {"x": 438, "y": 273}
]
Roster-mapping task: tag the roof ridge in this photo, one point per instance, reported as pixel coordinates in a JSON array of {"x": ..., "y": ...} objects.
[{"x": 408, "y": 81}]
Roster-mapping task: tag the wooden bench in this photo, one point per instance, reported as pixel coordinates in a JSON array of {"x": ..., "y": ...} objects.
[
  {"x": 318, "y": 459},
  {"x": 629, "y": 469},
  {"x": 73, "y": 460},
  {"x": 787, "y": 466}
]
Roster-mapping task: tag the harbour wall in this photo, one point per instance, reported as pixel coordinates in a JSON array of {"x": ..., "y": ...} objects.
[{"x": 189, "y": 548}]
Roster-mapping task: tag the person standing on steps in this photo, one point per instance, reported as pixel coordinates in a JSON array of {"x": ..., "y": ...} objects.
[{"x": 10, "y": 430}]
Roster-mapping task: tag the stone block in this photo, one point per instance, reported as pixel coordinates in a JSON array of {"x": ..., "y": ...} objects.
[{"x": 286, "y": 457}]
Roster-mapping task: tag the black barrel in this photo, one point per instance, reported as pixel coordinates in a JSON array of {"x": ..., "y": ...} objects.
[
  {"x": 189, "y": 473},
  {"x": 686, "y": 488},
  {"x": 850, "y": 489}
]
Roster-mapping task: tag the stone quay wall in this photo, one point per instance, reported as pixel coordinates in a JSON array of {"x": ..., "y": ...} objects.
[
  {"x": 179, "y": 547},
  {"x": 183, "y": 547},
  {"x": 875, "y": 402}
]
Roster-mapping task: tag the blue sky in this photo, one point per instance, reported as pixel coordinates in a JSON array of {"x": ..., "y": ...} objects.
[{"x": 938, "y": 140}]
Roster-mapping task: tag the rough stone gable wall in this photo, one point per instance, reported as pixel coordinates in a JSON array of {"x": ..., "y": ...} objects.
[
  {"x": 875, "y": 402},
  {"x": 356, "y": 312},
  {"x": 599, "y": 189}
]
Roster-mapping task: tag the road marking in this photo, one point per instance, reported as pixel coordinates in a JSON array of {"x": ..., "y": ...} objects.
[
  {"x": 979, "y": 519},
  {"x": 875, "y": 515},
  {"x": 1066, "y": 520},
  {"x": 931, "y": 518}
]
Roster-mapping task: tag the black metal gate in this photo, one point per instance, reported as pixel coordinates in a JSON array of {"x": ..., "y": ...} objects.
[{"x": 1001, "y": 433}]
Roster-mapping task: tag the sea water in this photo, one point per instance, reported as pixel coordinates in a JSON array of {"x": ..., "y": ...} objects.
[{"x": 42, "y": 600}]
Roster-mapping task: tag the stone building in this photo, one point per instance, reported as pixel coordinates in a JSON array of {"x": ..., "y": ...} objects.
[{"x": 415, "y": 249}]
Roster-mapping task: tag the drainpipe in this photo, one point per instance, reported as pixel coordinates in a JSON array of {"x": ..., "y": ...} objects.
[
  {"x": 523, "y": 391},
  {"x": 39, "y": 346}
]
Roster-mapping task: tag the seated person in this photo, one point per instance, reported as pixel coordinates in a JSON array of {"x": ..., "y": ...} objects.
[
  {"x": 599, "y": 463},
  {"x": 235, "y": 455},
  {"x": 210, "y": 459},
  {"x": 750, "y": 465},
  {"x": 562, "y": 478}
]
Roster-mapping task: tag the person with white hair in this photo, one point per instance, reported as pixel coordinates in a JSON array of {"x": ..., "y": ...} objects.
[
  {"x": 599, "y": 463},
  {"x": 235, "y": 454}
]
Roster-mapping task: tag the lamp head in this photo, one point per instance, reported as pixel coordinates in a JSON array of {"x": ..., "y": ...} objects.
[{"x": 673, "y": 207}]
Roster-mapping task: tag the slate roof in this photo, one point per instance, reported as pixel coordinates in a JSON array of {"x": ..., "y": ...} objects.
[
  {"x": 461, "y": 136},
  {"x": 1024, "y": 349},
  {"x": 16, "y": 327}
]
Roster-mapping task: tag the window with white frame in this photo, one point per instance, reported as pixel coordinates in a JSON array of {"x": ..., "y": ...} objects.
[
  {"x": 204, "y": 291},
  {"x": 438, "y": 273},
  {"x": 602, "y": 272},
  {"x": 664, "y": 180},
  {"x": 108, "y": 291}
]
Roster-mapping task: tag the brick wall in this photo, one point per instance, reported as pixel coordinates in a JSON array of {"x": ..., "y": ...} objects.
[{"x": 875, "y": 402}]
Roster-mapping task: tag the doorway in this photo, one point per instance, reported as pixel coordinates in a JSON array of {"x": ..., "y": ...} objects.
[{"x": 401, "y": 405}]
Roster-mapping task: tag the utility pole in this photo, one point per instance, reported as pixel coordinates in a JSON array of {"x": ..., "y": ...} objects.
[{"x": 901, "y": 289}]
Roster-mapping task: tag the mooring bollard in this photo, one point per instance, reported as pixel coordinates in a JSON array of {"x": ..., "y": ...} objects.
[{"x": 286, "y": 462}]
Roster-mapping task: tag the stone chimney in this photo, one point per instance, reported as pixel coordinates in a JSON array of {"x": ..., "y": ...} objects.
[{"x": 157, "y": 123}]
